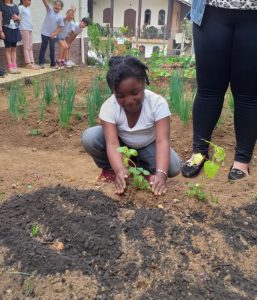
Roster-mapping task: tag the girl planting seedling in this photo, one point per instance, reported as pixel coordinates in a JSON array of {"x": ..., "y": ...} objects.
[{"x": 137, "y": 118}]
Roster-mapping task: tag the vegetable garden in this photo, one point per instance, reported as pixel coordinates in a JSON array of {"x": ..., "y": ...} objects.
[{"x": 66, "y": 235}]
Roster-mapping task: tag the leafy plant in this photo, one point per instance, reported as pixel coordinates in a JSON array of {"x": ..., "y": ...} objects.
[
  {"x": 48, "y": 91},
  {"x": 35, "y": 230},
  {"x": 196, "y": 191},
  {"x": 138, "y": 174}
]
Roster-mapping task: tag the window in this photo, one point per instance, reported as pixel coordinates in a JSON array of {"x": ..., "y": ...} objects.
[
  {"x": 147, "y": 17},
  {"x": 161, "y": 18},
  {"x": 107, "y": 15},
  {"x": 156, "y": 49}
]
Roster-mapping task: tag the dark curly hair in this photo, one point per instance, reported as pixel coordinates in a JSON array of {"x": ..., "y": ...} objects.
[{"x": 123, "y": 67}]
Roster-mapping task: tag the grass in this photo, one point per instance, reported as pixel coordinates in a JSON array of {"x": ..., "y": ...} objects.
[
  {"x": 179, "y": 102},
  {"x": 66, "y": 93},
  {"x": 95, "y": 98},
  {"x": 48, "y": 91},
  {"x": 36, "y": 88},
  {"x": 18, "y": 104}
]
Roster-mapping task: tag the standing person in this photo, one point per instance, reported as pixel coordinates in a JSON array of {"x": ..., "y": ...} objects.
[
  {"x": 76, "y": 28},
  {"x": 226, "y": 53},
  {"x": 61, "y": 37},
  {"x": 138, "y": 118},
  {"x": 25, "y": 27},
  {"x": 52, "y": 26},
  {"x": 10, "y": 33}
]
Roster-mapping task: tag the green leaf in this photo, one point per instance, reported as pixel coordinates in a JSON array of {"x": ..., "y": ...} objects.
[
  {"x": 211, "y": 169},
  {"x": 134, "y": 171},
  {"x": 132, "y": 152},
  {"x": 123, "y": 150},
  {"x": 145, "y": 172}
]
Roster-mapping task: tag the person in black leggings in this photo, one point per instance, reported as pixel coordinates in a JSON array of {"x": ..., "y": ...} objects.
[{"x": 226, "y": 53}]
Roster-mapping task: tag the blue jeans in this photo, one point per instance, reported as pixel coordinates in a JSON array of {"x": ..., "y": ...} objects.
[
  {"x": 93, "y": 141},
  {"x": 44, "y": 44}
]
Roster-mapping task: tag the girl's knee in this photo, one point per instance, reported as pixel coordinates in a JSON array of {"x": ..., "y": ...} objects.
[
  {"x": 92, "y": 138},
  {"x": 175, "y": 164}
]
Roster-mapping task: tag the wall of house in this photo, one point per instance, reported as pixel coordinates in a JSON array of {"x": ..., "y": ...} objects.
[
  {"x": 155, "y": 6},
  {"x": 98, "y": 8},
  {"x": 38, "y": 14},
  {"x": 121, "y": 5}
]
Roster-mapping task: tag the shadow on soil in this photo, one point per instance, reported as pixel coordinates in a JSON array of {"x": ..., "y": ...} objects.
[{"x": 93, "y": 229}]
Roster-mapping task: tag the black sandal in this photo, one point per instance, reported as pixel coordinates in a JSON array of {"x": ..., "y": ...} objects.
[
  {"x": 190, "y": 171},
  {"x": 235, "y": 174}
]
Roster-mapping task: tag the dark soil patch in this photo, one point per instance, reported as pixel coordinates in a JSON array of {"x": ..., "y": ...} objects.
[{"x": 139, "y": 253}]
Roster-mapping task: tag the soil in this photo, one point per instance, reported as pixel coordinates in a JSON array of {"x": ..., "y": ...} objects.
[{"x": 95, "y": 245}]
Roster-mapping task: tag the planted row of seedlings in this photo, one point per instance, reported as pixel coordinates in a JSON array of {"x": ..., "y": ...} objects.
[{"x": 66, "y": 92}]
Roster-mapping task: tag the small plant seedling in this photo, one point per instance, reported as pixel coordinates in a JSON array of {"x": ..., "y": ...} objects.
[
  {"x": 36, "y": 131},
  {"x": 79, "y": 115},
  {"x": 35, "y": 230},
  {"x": 211, "y": 169},
  {"x": 138, "y": 174},
  {"x": 197, "y": 191}
]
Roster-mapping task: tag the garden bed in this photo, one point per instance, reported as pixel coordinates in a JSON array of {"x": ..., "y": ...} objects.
[{"x": 92, "y": 244}]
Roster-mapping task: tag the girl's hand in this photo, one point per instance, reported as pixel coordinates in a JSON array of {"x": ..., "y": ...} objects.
[
  {"x": 53, "y": 36},
  {"x": 15, "y": 17},
  {"x": 2, "y": 35},
  {"x": 158, "y": 183},
  {"x": 120, "y": 181}
]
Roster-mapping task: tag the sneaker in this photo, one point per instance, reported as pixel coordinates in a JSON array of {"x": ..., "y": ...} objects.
[
  {"x": 235, "y": 174},
  {"x": 42, "y": 66},
  {"x": 193, "y": 166},
  {"x": 107, "y": 175},
  {"x": 69, "y": 63}
]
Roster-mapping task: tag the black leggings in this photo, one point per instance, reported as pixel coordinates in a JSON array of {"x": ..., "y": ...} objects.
[{"x": 226, "y": 53}]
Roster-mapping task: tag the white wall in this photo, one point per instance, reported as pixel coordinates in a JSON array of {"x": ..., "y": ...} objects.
[
  {"x": 155, "y": 6},
  {"x": 38, "y": 13},
  {"x": 121, "y": 5},
  {"x": 149, "y": 48},
  {"x": 119, "y": 8},
  {"x": 98, "y": 8}
]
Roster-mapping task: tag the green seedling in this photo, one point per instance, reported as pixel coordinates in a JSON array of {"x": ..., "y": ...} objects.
[
  {"x": 138, "y": 174},
  {"x": 48, "y": 91},
  {"x": 196, "y": 191},
  {"x": 79, "y": 115},
  {"x": 36, "y": 132},
  {"x": 18, "y": 104},
  {"x": 211, "y": 169},
  {"x": 35, "y": 230},
  {"x": 36, "y": 88}
]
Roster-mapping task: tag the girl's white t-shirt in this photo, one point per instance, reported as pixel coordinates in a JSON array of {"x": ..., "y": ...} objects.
[
  {"x": 25, "y": 15},
  {"x": 154, "y": 108}
]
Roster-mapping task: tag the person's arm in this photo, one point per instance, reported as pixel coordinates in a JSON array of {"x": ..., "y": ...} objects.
[
  {"x": 162, "y": 133},
  {"x": 2, "y": 36},
  {"x": 72, "y": 37},
  {"x": 115, "y": 158},
  {"x": 46, "y": 4},
  {"x": 56, "y": 32}
]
